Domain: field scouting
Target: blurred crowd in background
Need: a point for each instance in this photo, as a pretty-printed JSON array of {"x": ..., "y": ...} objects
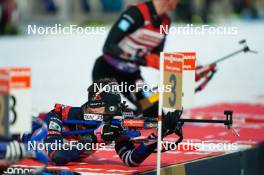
[{"x": 15, "y": 14}]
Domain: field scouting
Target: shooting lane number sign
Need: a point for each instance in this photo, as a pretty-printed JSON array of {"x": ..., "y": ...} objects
[
  {"x": 172, "y": 76},
  {"x": 17, "y": 104},
  {"x": 171, "y": 67},
  {"x": 177, "y": 70},
  {"x": 188, "y": 86},
  {"x": 4, "y": 89}
]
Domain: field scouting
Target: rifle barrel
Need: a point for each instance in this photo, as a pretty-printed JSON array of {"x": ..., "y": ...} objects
[{"x": 203, "y": 121}]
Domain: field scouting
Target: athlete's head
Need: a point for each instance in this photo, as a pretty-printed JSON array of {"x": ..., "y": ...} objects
[
  {"x": 103, "y": 98},
  {"x": 164, "y": 6}
]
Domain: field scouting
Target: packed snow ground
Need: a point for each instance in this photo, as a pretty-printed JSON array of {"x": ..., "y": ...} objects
[{"x": 62, "y": 64}]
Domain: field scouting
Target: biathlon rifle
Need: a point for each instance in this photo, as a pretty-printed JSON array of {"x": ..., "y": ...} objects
[{"x": 132, "y": 126}]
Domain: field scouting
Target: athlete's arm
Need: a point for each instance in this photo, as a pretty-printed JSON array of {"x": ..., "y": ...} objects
[
  {"x": 128, "y": 22},
  {"x": 54, "y": 124},
  {"x": 160, "y": 47},
  {"x": 131, "y": 155},
  {"x": 59, "y": 156},
  {"x": 153, "y": 59}
]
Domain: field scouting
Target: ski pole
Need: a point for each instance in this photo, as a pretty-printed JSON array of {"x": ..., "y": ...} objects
[{"x": 245, "y": 49}]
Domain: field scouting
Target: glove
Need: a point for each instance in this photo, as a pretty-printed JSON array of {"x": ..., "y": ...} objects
[
  {"x": 107, "y": 133},
  {"x": 204, "y": 71},
  {"x": 152, "y": 60},
  {"x": 171, "y": 124},
  {"x": 38, "y": 135},
  {"x": 147, "y": 59},
  {"x": 88, "y": 138}
]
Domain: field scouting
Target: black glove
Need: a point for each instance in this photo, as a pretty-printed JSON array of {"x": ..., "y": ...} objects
[
  {"x": 87, "y": 138},
  {"x": 171, "y": 124},
  {"x": 110, "y": 132},
  {"x": 138, "y": 57}
]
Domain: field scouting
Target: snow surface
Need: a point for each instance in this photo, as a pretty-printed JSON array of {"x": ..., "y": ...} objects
[{"x": 62, "y": 64}]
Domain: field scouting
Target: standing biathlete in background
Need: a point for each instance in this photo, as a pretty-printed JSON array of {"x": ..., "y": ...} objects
[{"x": 135, "y": 40}]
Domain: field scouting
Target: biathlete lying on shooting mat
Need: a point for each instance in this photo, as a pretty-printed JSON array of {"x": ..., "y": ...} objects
[{"x": 66, "y": 123}]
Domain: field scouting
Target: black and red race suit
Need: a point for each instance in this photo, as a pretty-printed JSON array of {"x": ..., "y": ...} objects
[{"x": 136, "y": 30}]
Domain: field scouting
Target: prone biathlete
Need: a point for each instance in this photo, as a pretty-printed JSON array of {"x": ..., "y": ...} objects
[{"x": 66, "y": 123}]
